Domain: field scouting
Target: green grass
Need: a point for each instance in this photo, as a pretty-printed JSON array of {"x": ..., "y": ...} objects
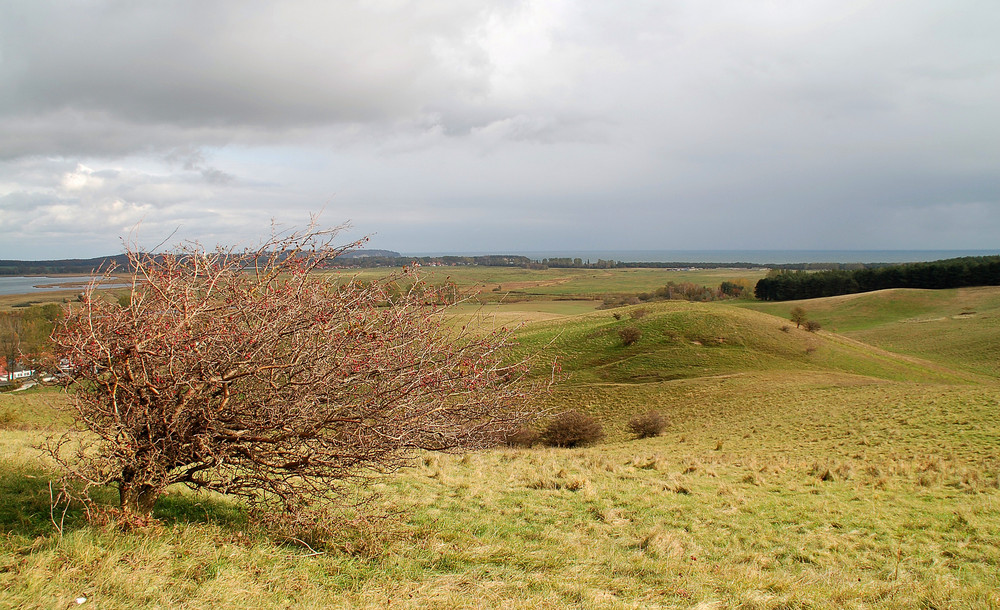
[
  {"x": 958, "y": 328},
  {"x": 515, "y": 283},
  {"x": 34, "y": 408},
  {"x": 767, "y": 491},
  {"x": 869, "y": 310},
  {"x": 685, "y": 340},
  {"x": 855, "y": 469}
]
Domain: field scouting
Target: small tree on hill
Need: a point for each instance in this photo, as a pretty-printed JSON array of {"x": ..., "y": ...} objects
[
  {"x": 798, "y": 315},
  {"x": 247, "y": 373},
  {"x": 629, "y": 335}
]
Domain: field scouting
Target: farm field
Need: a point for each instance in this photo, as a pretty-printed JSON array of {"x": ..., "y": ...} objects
[
  {"x": 507, "y": 283},
  {"x": 853, "y": 467}
]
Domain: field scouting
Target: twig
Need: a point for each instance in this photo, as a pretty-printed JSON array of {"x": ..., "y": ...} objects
[
  {"x": 314, "y": 552},
  {"x": 53, "y": 501}
]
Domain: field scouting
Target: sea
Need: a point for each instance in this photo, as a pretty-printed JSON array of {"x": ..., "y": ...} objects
[
  {"x": 757, "y": 257},
  {"x": 17, "y": 284}
]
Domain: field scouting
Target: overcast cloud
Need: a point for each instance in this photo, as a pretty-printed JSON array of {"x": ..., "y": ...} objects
[{"x": 478, "y": 125}]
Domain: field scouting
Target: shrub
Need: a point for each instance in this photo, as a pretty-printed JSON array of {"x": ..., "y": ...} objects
[
  {"x": 630, "y": 334},
  {"x": 639, "y": 313},
  {"x": 617, "y": 315},
  {"x": 273, "y": 385},
  {"x": 811, "y": 325},
  {"x": 525, "y": 437},
  {"x": 648, "y": 424},
  {"x": 572, "y": 429}
]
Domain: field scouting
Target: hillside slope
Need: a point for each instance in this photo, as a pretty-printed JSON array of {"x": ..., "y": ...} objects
[
  {"x": 683, "y": 340},
  {"x": 957, "y": 328}
]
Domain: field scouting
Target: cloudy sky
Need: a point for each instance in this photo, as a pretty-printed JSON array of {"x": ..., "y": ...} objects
[{"x": 501, "y": 125}]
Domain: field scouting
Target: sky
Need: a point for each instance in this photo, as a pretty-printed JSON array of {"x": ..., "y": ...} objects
[{"x": 500, "y": 125}]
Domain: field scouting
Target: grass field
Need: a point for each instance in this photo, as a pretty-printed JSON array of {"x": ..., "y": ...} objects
[
  {"x": 848, "y": 469},
  {"x": 513, "y": 283},
  {"x": 13, "y": 302},
  {"x": 959, "y": 327},
  {"x": 504, "y": 284}
]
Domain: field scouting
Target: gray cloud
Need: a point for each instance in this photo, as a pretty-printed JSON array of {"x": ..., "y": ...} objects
[
  {"x": 499, "y": 124},
  {"x": 216, "y": 71}
]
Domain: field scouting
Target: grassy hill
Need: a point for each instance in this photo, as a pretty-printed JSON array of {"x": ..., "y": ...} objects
[
  {"x": 855, "y": 468},
  {"x": 682, "y": 340},
  {"x": 958, "y": 328}
]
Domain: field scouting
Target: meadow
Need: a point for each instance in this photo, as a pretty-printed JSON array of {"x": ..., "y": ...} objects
[
  {"x": 509, "y": 284},
  {"x": 854, "y": 467}
]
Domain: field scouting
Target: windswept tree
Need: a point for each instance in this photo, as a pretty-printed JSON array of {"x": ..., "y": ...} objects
[{"x": 251, "y": 374}]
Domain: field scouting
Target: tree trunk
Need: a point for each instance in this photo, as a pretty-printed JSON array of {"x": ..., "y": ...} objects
[{"x": 137, "y": 497}]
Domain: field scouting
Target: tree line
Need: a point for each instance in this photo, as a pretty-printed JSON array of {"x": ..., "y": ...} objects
[{"x": 787, "y": 285}]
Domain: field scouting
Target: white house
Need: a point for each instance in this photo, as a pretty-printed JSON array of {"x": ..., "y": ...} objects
[{"x": 14, "y": 375}]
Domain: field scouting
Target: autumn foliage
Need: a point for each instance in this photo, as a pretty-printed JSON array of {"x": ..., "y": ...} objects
[{"x": 251, "y": 374}]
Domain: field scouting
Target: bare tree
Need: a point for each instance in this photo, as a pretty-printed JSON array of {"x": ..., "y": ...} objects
[{"x": 249, "y": 373}]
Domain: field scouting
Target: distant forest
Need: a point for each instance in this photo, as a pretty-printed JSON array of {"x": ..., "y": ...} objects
[
  {"x": 786, "y": 285},
  {"x": 75, "y": 266}
]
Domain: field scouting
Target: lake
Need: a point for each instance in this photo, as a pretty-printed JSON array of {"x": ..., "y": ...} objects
[{"x": 16, "y": 284}]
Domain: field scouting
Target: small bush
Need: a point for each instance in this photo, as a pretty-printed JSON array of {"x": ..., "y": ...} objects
[
  {"x": 648, "y": 424},
  {"x": 630, "y": 334},
  {"x": 639, "y": 313},
  {"x": 811, "y": 325},
  {"x": 617, "y": 315},
  {"x": 525, "y": 437},
  {"x": 572, "y": 429}
]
